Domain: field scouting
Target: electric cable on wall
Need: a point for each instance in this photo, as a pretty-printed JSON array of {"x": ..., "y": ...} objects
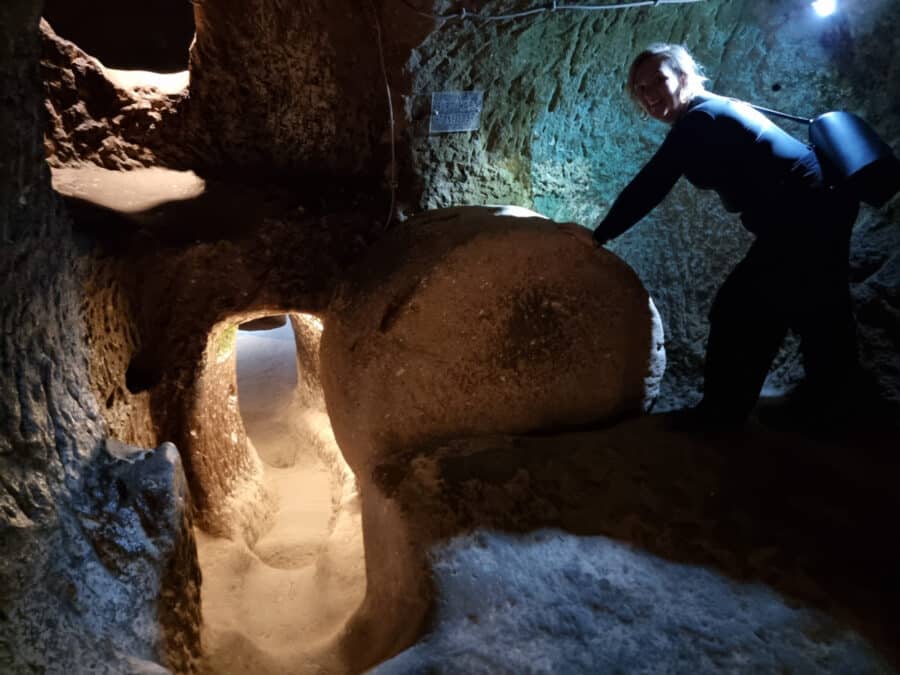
[
  {"x": 392, "y": 123},
  {"x": 547, "y": 7}
]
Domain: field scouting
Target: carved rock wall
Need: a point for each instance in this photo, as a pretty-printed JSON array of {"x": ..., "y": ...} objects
[
  {"x": 85, "y": 584},
  {"x": 90, "y": 118},
  {"x": 285, "y": 87}
]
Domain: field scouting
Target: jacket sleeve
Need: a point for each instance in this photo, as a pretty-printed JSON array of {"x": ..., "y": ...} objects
[{"x": 648, "y": 188}]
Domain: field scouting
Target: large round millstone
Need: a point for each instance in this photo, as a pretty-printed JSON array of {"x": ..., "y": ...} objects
[{"x": 468, "y": 321}]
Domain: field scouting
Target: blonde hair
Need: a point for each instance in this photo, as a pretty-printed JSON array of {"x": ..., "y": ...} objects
[{"x": 678, "y": 59}]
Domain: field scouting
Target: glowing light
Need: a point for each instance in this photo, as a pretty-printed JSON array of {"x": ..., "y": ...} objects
[
  {"x": 825, "y": 7},
  {"x": 167, "y": 83},
  {"x": 517, "y": 211}
]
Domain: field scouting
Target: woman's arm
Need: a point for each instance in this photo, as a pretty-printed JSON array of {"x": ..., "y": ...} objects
[{"x": 647, "y": 189}]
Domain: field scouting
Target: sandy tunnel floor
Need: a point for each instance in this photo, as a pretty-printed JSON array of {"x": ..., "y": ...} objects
[{"x": 277, "y": 607}]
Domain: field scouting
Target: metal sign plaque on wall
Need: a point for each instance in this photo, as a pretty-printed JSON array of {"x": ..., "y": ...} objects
[{"x": 455, "y": 111}]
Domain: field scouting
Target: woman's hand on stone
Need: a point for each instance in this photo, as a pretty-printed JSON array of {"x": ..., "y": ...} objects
[{"x": 578, "y": 232}]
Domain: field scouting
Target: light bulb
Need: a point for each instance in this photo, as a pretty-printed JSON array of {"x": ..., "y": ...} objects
[{"x": 825, "y": 7}]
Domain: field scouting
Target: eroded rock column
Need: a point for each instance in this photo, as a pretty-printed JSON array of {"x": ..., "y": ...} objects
[{"x": 466, "y": 322}]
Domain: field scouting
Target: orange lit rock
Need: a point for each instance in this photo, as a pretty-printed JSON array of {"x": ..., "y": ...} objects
[{"x": 465, "y": 321}]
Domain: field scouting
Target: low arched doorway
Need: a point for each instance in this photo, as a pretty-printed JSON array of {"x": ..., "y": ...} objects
[{"x": 278, "y": 603}]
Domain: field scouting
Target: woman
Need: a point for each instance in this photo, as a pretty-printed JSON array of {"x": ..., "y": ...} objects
[{"x": 795, "y": 274}]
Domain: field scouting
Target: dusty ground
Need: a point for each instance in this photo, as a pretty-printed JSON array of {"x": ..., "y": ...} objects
[
  {"x": 277, "y": 606},
  {"x": 638, "y": 549}
]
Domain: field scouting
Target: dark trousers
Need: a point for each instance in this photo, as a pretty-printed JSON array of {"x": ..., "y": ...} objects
[{"x": 794, "y": 277}]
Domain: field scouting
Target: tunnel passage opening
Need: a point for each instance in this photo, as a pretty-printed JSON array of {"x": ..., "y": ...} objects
[
  {"x": 141, "y": 49},
  {"x": 280, "y": 600},
  {"x": 153, "y": 36}
]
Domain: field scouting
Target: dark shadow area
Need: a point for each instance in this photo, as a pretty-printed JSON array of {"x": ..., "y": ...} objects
[
  {"x": 220, "y": 212},
  {"x": 814, "y": 520},
  {"x": 151, "y": 35},
  {"x": 142, "y": 375},
  {"x": 223, "y": 211}
]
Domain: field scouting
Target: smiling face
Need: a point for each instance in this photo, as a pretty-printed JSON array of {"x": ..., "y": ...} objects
[{"x": 660, "y": 90}]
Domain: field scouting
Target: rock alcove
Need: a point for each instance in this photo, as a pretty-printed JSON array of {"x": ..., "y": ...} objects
[{"x": 143, "y": 222}]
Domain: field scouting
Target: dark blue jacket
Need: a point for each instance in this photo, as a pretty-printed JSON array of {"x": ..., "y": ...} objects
[{"x": 723, "y": 145}]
